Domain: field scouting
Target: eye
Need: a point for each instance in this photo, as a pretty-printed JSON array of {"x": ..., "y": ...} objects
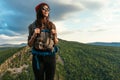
[{"x": 46, "y": 9}]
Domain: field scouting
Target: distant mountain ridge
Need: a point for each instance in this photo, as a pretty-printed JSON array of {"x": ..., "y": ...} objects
[
  {"x": 115, "y": 44},
  {"x": 13, "y": 45}
]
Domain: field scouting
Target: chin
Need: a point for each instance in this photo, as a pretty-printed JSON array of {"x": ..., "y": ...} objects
[{"x": 45, "y": 16}]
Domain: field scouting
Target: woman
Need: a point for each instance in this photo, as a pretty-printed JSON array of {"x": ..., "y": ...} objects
[{"x": 44, "y": 61}]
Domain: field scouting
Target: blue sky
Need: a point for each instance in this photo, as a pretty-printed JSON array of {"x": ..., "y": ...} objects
[{"x": 76, "y": 20}]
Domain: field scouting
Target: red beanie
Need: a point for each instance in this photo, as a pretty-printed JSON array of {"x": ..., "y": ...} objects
[{"x": 39, "y": 6}]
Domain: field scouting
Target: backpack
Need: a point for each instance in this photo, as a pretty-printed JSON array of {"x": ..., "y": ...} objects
[{"x": 44, "y": 40}]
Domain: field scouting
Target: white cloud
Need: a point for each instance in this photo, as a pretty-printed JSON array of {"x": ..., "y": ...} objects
[
  {"x": 95, "y": 20},
  {"x": 60, "y": 27},
  {"x": 13, "y": 39},
  {"x": 85, "y": 36}
]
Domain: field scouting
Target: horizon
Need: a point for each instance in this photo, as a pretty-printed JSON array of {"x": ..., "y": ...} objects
[
  {"x": 79, "y": 20},
  {"x": 62, "y": 39}
]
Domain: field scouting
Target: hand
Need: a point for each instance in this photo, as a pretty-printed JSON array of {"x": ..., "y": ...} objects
[
  {"x": 37, "y": 31},
  {"x": 53, "y": 31}
]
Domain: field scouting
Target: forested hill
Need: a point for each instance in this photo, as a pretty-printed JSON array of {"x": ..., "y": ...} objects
[
  {"x": 77, "y": 61},
  {"x": 90, "y": 62}
]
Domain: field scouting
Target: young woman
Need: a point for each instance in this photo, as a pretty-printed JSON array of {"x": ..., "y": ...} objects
[{"x": 44, "y": 60}]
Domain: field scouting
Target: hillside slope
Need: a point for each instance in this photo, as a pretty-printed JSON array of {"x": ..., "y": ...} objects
[
  {"x": 89, "y": 62},
  {"x": 6, "y": 52},
  {"x": 18, "y": 67},
  {"x": 77, "y": 61}
]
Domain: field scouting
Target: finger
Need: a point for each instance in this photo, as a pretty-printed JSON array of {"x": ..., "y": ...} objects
[{"x": 38, "y": 30}]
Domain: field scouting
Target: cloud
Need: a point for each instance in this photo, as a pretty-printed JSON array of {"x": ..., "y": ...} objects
[
  {"x": 84, "y": 16},
  {"x": 13, "y": 39},
  {"x": 92, "y": 5},
  {"x": 61, "y": 11},
  {"x": 18, "y": 14},
  {"x": 97, "y": 30}
]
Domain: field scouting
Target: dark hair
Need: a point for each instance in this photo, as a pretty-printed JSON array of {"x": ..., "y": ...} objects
[{"x": 40, "y": 16}]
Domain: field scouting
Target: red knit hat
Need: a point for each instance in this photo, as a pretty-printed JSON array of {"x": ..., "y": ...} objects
[{"x": 39, "y": 6}]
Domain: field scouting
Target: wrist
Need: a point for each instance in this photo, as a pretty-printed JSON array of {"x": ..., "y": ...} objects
[
  {"x": 34, "y": 36},
  {"x": 56, "y": 40}
]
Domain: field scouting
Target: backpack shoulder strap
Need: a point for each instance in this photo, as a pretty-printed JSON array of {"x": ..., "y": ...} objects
[{"x": 45, "y": 30}]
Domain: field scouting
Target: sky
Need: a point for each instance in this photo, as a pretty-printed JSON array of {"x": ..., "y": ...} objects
[{"x": 83, "y": 21}]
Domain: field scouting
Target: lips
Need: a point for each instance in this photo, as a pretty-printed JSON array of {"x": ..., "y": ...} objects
[{"x": 45, "y": 14}]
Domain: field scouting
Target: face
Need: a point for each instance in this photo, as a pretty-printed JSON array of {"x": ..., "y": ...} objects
[{"x": 45, "y": 11}]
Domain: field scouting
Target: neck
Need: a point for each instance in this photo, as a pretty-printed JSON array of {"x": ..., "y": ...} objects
[{"x": 44, "y": 20}]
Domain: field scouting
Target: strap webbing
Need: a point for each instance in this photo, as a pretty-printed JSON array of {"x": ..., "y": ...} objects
[{"x": 37, "y": 61}]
